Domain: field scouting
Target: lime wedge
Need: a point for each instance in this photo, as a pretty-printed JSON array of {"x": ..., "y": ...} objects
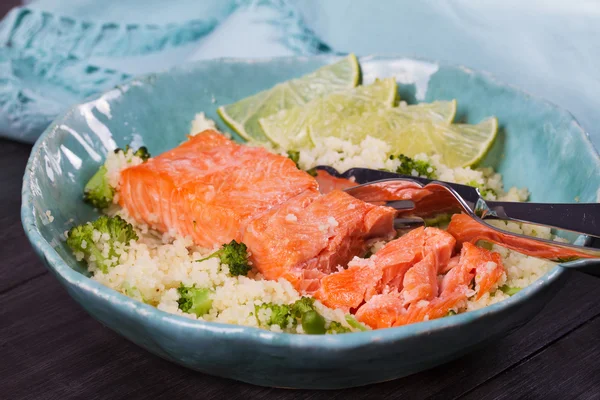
[
  {"x": 289, "y": 129},
  {"x": 465, "y": 145},
  {"x": 459, "y": 145},
  {"x": 243, "y": 116},
  {"x": 440, "y": 112},
  {"x": 356, "y": 128}
]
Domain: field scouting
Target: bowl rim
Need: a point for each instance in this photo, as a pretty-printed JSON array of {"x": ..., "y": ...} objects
[{"x": 137, "y": 309}]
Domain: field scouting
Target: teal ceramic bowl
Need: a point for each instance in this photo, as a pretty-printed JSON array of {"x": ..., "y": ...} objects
[{"x": 540, "y": 146}]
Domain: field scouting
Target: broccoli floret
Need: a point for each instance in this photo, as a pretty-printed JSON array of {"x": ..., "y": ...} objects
[
  {"x": 235, "y": 255},
  {"x": 312, "y": 172},
  {"x": 354, "y": 323},
  {"x": 482, "y": 189},
  {"x": 408, "y": 165},
  {"x": 194, "y": 300},
  {"x": 304, "y": 305},
  {"x": 294, "y": 156},
  {"x": 510, "y": 290},
  {"x": 142, "y": 153},
  {"x": 301, "y": 312},
  {"x": 337, "y": 328},
  {"x": 439, "y": 220},
  {"x": 451, "y": 313},
  {"x": 90, "y": 240},
  {"x": 281, "y": 314},
  {"x": 98, "y": 191},
  {"x": 312, "y": 322}
]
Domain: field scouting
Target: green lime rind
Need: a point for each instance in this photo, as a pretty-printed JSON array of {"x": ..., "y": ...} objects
[
  {"x": 388, "y": 123},
  {"x": 289, "y": 129},
  {"x": 243, "y": 116}
]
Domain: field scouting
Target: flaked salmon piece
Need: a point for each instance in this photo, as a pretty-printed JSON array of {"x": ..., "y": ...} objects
[
  {"x": 391, "y": 191},
  {"x": 436, "y": 308},
  {"x": 349, "y": 288},
  {"x": 362, "y": 280},
  {"x": 466, "y": 229},
  {"x": 377, "y": 193},
  {"x": 396, "y": 257},
  {"x": 419, "y": 300},
  {"x": 381, "y": 311},
  {"x": 475, "y": 263},
  {"x": 328, "y": 183},
  {"x": 440, "y": 244},
  {"x": 210, "y": 188},
  {"x": 453, "y": 262},
  {"x": 387, "y": 268},
  {"x": 420, "y": 282},
  {"x": 483, "y": 265},
  {"x": 314, "y": 233}
]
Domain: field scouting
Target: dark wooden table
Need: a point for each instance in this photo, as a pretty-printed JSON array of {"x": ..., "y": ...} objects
[{"x": 51, "y": 349}]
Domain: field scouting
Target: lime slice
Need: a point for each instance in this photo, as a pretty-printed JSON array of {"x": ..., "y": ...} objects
[
  {"x": 465, "y": 145},
  {"x": 289, "y": 129},
  {"x": 243, "y": 116},
  {"x": 459, "y": 145},
  {"x": 356, "y": 128},
  {"x": 440, "y": 112}
]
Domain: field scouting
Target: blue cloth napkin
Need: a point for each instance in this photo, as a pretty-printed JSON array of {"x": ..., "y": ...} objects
[{"x": 54, "y": 53}]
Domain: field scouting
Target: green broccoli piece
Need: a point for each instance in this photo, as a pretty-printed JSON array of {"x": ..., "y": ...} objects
[
  {"x": 98, "y": 191},
  {"x": 97, "y": 248},
  {"x": 281, "y": 314},
  {"x": 194, "y": 300},
  {"x": 294, "y": 156},
  {"x": 313, "y": 323},
  {"x": 142, "y": 153},
  {"x": 482, "y": 189},
  {"x": 312, "y": 172},
  {"x": 510, "y": 290},
  {"x": 337, "y": 328},
  {"x": 304, "y": 305},
  {"x": 451, "y": 313},
  {"x": 235, "y": 255},
  {"x": 408, "y": 165},
  {"x": 438, "y": 220},
  {"x": 354, "y": 323}
]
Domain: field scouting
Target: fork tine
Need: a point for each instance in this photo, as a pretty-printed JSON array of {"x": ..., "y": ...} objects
[
  {"x": 401, "y": 204},
  {"x": 408, "y": 223}
]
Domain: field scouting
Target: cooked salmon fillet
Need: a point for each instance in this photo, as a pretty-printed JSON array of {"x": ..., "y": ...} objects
[
  {"x": 209, "y": 188},
  {"x": 310, "y": 236}
]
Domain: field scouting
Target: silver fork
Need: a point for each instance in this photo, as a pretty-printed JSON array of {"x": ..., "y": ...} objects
[{"x": 577, "y": 220}]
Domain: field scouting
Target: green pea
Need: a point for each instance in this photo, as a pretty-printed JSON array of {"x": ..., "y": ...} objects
[{"x": 313, "y": 323}]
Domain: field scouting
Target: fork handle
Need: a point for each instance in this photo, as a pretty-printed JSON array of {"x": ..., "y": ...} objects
[{"x": 578, "y": 217}]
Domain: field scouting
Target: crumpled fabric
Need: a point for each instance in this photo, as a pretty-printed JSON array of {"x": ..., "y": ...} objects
[{"x": 54, "y": 53}]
